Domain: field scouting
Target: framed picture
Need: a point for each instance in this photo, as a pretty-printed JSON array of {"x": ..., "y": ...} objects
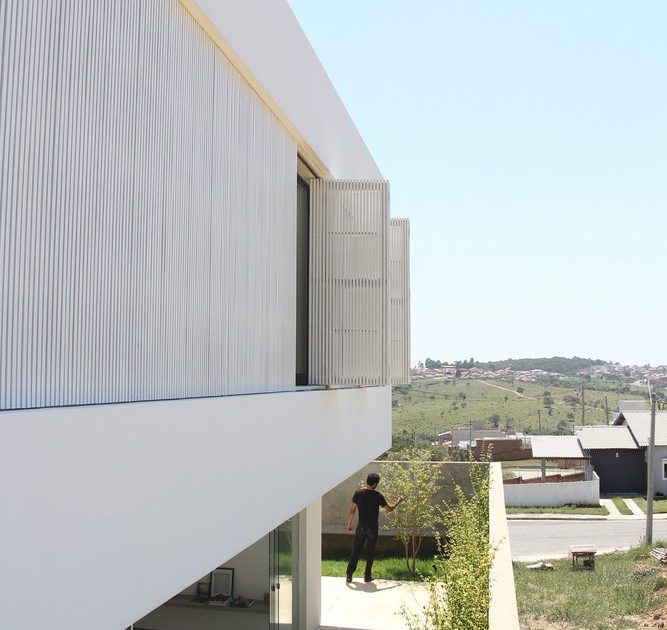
[
  {"x": 204, "y": 589},
  {"x": 222, "y": 583}
]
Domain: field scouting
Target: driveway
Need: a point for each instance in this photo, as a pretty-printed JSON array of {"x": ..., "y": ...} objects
[{"x": 532, "y": 540}]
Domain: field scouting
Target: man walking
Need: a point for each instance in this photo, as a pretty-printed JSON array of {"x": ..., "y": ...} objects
[{"x": 369, "y": 501}]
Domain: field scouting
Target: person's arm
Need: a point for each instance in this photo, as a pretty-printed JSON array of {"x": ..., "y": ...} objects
[
  {"x": 350, "y": 517},
  {"x": 390, "y": 508}
]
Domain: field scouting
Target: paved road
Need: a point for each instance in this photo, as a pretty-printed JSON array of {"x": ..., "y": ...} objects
[{"x": 543, "y": 540}]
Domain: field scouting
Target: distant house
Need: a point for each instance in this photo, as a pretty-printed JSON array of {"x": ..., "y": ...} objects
[
  {"x": 632, "y": 405},
  {"x": 454, "y": 436},
  {"x": 639, "y": 423},
  {"x": 615, "y": 456}
]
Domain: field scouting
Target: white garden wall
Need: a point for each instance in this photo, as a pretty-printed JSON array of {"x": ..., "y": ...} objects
[{"x": 553, "y": 494}]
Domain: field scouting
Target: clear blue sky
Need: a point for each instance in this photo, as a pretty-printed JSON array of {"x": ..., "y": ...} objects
[{"x": 526, "y": 141}]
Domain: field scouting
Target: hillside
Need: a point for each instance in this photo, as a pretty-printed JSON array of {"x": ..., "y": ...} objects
[
  {"x": 428, "y": 407},
  {"x": 560, "y": 365}
]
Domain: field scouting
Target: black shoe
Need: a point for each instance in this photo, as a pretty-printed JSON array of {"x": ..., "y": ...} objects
[
  {"x": 348, "y": 578},
  {"x": 368, "y": 578}
]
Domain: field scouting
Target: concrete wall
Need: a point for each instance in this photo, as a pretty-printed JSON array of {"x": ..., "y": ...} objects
[
  {"x": 503, "y": 613},
  {"x": 336, "y": 502},
  {"x": 554, "y": 494},
  {"x": 660, "y": 483},
  {"x": 143, "y": 499}
]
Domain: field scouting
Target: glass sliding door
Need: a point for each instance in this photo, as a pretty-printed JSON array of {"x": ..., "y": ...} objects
[{"x": 283, "y": 568}]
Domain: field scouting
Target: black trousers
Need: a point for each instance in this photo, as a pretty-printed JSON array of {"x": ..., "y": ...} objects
[{"x": 361, "y": 536}]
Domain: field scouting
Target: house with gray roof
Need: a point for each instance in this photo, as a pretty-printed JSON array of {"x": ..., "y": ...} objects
[
  {"x": 615, "y": 456},
  {"x": 639, "y": 424}
]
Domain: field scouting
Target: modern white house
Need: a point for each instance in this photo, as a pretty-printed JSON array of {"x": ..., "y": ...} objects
[{"x": 204, "y": 303}]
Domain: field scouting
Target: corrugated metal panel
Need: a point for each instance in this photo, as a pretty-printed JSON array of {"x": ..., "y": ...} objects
[
  {"x": 147, "y": 211},
  {"x": 399, "y": 300},
  {"x": 640, "y": 426},
  {"x": 348, "y": 282},
  {"x": 556, "y": 447},
  {"x": 605, "y": 437}
]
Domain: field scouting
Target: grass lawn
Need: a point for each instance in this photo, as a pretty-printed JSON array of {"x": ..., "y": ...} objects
[
  {"x": 621, "y": 506},
  {"x": 622, "y": 584},
  {"x": 391, "y": 568},
  {"x": 659, "y": 504},
  {"x": 563, "y": 509},
  {"x": 428, "y": 407}
]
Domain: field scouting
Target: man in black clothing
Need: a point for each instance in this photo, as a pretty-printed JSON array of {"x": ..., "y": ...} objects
[{"x": 369, "y": 501}]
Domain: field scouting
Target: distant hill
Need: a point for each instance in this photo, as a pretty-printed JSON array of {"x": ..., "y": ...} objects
[{"x": 562, "y": 365}]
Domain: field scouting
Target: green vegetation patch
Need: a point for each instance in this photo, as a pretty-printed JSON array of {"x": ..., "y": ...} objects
[
  {"x": 659, "y": 505},
  {"x": 563, "y": 509},
  {"x": 621, "y": 506},
  {"x": 622, "y": 584},
  {"x": 428, "y": 407},
  {"x": 389, "y": 568}
]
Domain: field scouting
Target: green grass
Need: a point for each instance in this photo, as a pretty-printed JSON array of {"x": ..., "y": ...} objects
[
  {"x": 622, "y": 584},
  {"x": 563, "y": 509},
  {"x": 659, "y": 504},
  {"x": 430, "y": 407},
  {"x": 388, "y": 568},
  {"x": 621, "y": 506}
]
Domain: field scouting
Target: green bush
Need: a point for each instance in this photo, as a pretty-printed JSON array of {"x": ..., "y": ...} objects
[{"x": 459, "y": 585}]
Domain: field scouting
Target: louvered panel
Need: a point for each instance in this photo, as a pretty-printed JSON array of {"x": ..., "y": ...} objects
[
  {"x": 147, "y": 211},
  {"x": 348, "y": 282},
  {"x": 399, "y": 301}
]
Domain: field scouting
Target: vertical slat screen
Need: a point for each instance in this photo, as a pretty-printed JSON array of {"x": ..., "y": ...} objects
[
  {"x": 399, "y": 301},
  {"x": 349, "y": 225},
  {"x": 147, "y": 211}
]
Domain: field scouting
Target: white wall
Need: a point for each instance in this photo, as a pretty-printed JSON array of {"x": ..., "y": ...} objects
[
  {"x": 660, "y": 484},
  {"x": 553, "y": 494},
  {"x": 503, "y": 612},
  {"x": 267, "y": 40},
  {"x": 148, "y": 196},
  {"x": 137, "y": 501}
]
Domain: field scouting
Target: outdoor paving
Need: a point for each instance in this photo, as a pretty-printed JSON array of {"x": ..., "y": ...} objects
[
  {"x": 634, "y": 508},
  {"x": 369, "y": 606},
  {"x": 610, "y": 505}
]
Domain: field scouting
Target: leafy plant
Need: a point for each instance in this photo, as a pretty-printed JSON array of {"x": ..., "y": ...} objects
[
  {"x": 417, "y": 480},
  {"x": 459, "y": 585}
]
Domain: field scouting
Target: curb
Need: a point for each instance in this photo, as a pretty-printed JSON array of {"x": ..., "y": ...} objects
[{"x": 581, "y": 517}]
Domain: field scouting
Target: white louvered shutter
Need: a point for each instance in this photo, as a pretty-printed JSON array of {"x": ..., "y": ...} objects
[{"x": 349, "y": 276}]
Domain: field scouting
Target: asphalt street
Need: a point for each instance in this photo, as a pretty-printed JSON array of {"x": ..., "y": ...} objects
[{"x": 533, "y": 540}]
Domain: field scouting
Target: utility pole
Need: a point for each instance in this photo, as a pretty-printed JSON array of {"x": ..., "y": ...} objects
[
  {"x": 650, "y": 473},
  {"x": 539, "y": 420},
  {"x": 583, "y": 407},
  {"x": 606, "y": 409}
]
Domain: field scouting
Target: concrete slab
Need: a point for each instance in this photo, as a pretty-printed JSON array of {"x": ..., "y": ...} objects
[
  {"x": 369, "y": 606},
  {"x": 613, "y": 510},
  {"x": 634, "y": 508}
]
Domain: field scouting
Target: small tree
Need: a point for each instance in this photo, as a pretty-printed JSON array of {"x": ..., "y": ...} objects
[
  {"x": 459, "y": 586},
  {"x": 417, "y": 480}
]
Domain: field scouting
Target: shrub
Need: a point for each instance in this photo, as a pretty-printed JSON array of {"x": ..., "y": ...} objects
[
  {"x": 459, "y": 586},
  {"x": 417, "y": 480}
]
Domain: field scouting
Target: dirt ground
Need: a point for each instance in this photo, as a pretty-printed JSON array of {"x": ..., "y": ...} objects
[{"x": 649, "y": 621}]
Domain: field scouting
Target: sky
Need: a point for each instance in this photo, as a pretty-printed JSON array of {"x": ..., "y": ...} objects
[{"x": 526, "y": 141}]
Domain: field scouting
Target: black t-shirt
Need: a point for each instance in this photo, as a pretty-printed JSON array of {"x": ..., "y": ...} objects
[{"x": 368, "y": 503}]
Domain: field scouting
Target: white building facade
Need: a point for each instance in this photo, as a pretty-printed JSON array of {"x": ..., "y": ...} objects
[{"x": 204, "y": 304}]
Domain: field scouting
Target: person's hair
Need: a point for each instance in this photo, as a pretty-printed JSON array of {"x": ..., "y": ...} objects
[{"x": 373, "y": 479}]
